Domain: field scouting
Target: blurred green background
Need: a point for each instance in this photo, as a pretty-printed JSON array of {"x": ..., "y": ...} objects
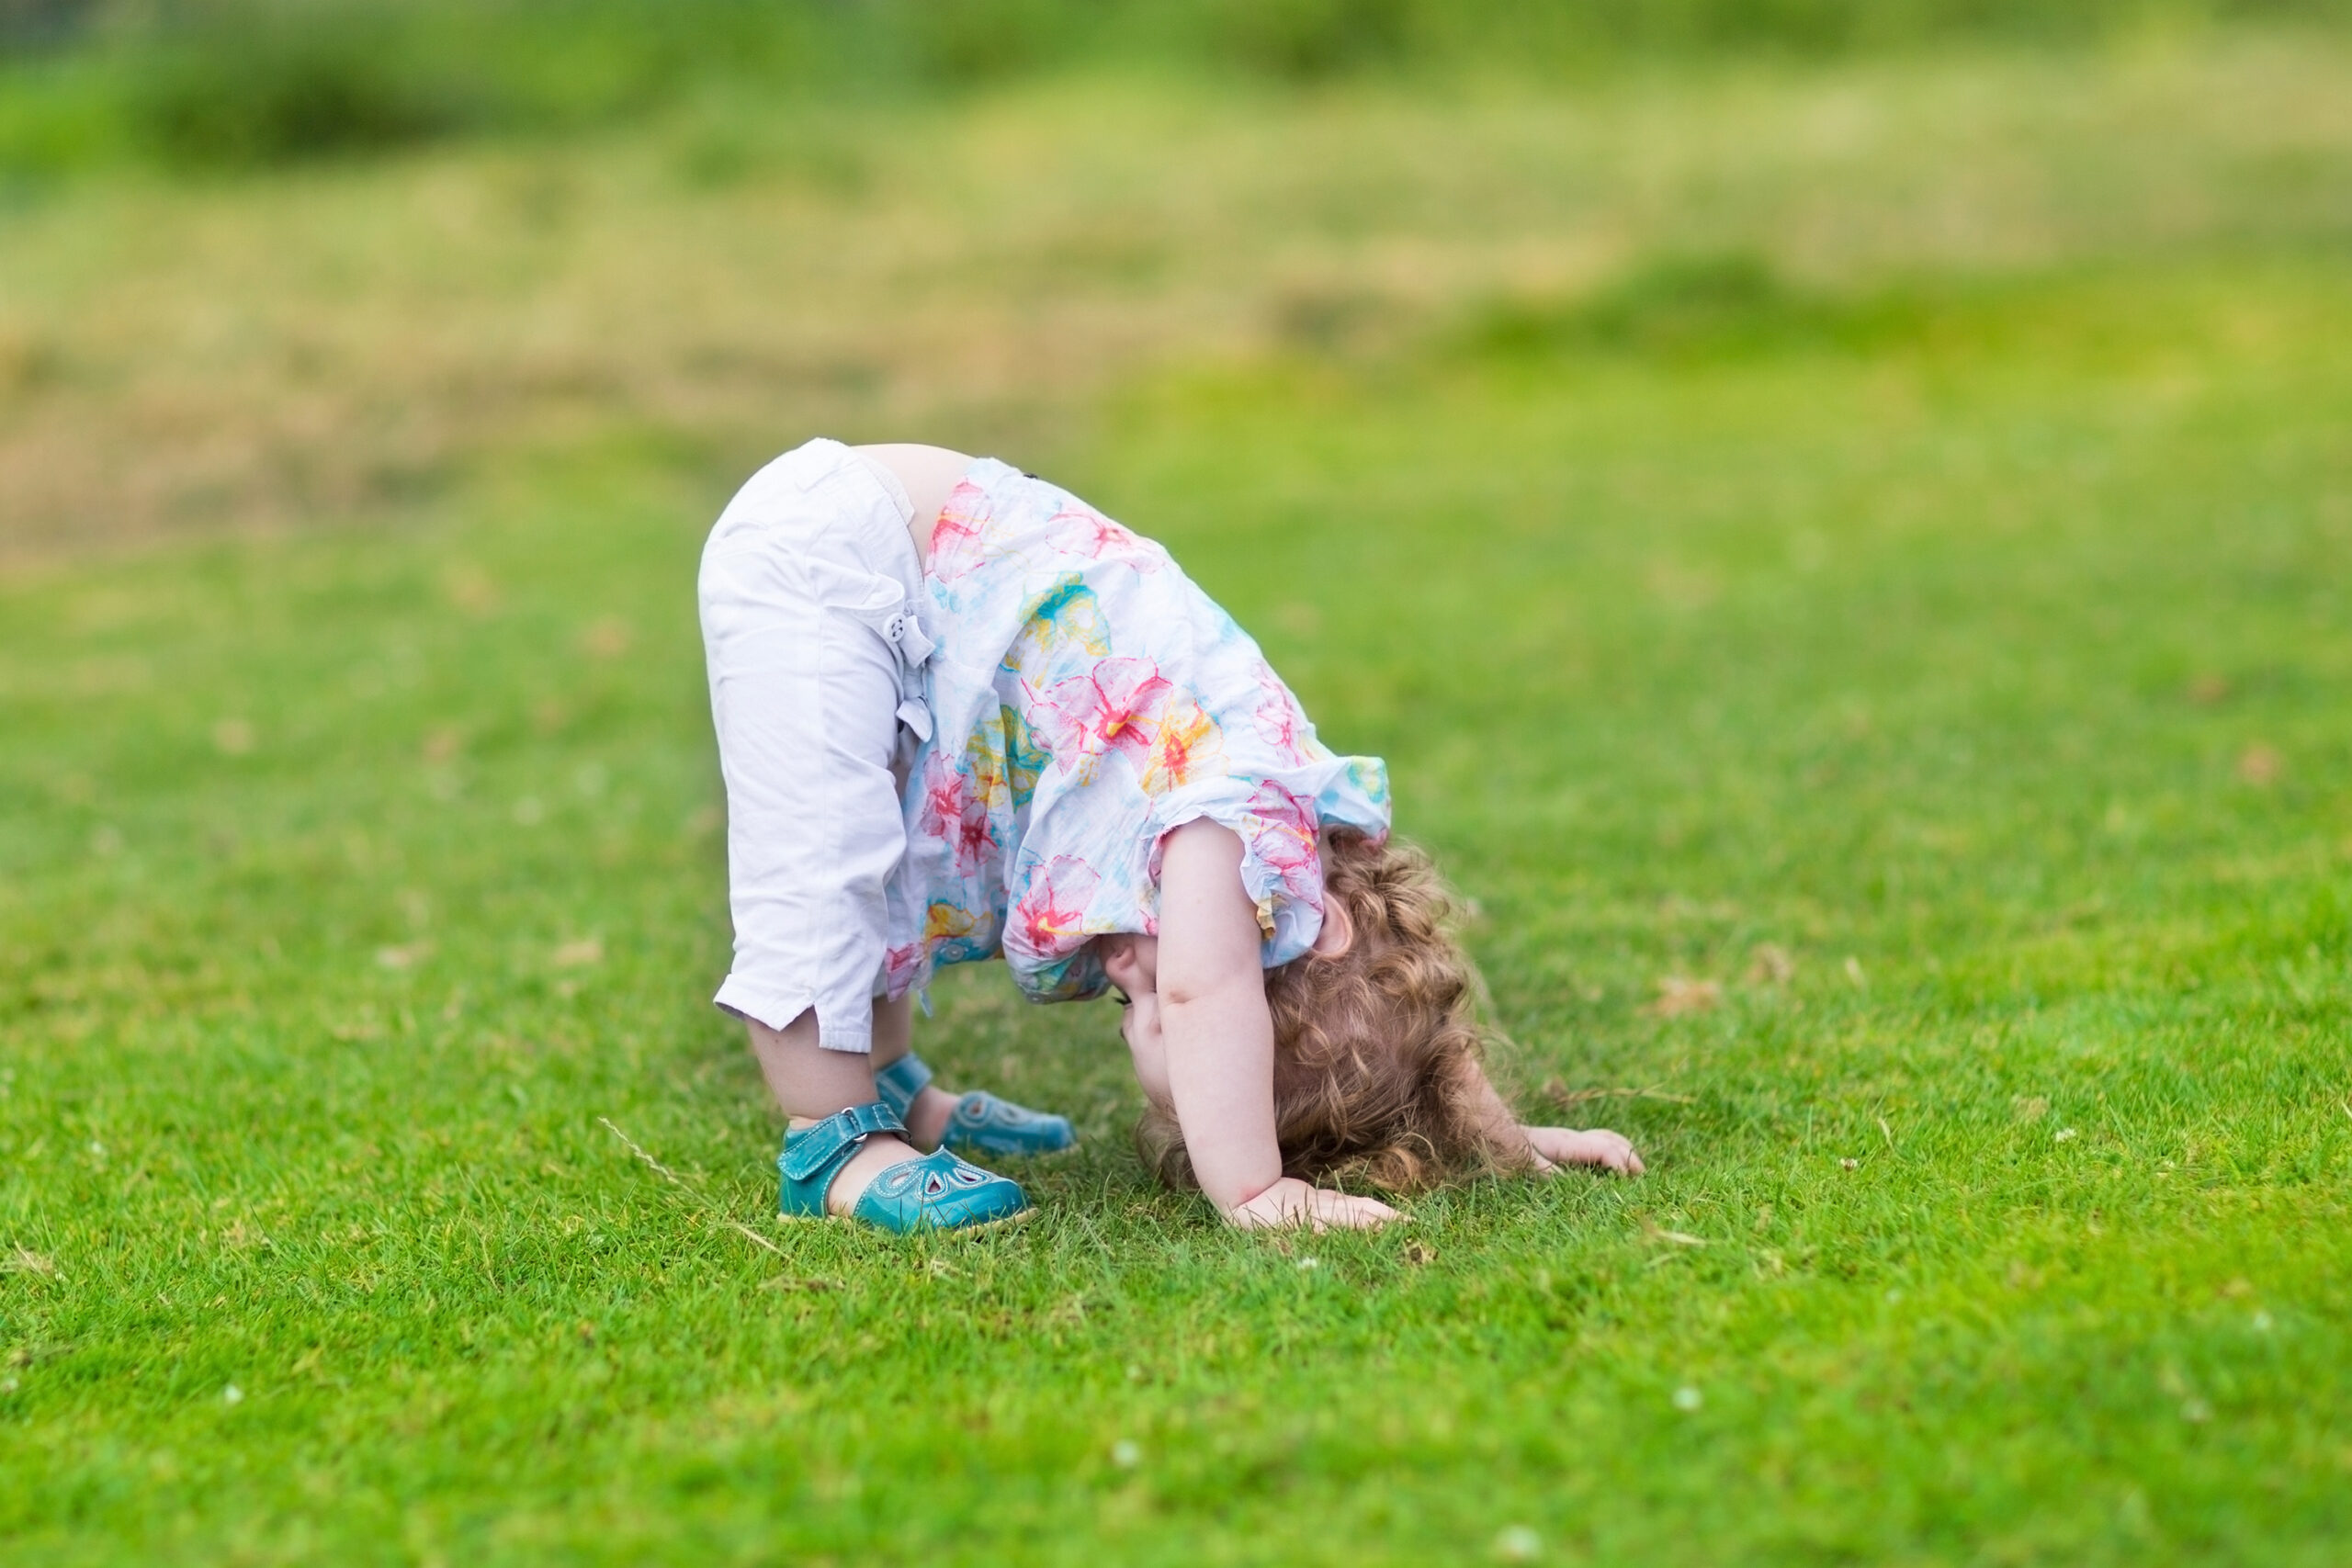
[
  {"x": 1837, "y": 515},
  {"x": 219, "y": 83}
]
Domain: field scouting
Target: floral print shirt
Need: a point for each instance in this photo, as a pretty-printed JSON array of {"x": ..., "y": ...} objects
[{"x": 1086, "y": 699}]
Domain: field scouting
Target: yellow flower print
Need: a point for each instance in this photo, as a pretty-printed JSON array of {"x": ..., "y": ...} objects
[
  {"x": 945, "y": 922},
  {"x": 1189, "y": 745}
]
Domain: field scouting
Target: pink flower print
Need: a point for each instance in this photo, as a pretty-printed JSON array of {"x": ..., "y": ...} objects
[
  {"x": 943, "y": 793},
  {"x": 973, "y": 839},
  {"x": 900, "y": 966},
  {"x": 954, "y": 813},
  {"x": 1277, "y": 718},
  {"x": 1050, "y": 921},
  {"x": 1112, "y": 708},
  {"x": 1293, "y": 812},
  {"x": 1277, "y": 721},
  {"x": 1283, "y": 840},
  {"x": 1187, "y": 746},
  {"x": 1091, "y": 535},
  {"x": 955, "y": 537}
]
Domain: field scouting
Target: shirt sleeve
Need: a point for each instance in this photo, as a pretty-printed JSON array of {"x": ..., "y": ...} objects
[{"x": 1278, "y": 821}]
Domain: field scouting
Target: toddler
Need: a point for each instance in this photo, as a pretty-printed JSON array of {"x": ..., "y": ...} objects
[{"x": 963, "y": 715}]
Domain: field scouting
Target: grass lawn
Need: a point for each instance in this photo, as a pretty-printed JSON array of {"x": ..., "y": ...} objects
[{"x": 1896, "y": 737}]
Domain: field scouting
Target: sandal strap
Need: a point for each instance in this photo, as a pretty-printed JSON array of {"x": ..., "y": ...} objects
[
  {"x": 812, "y": 1149},
  {"x": 899, "y": 1083}
]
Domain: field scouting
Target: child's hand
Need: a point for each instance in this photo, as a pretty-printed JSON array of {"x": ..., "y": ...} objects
[
  {"x": 1291, "y": 1202},
  {"x": 1556, "y": 1147}
]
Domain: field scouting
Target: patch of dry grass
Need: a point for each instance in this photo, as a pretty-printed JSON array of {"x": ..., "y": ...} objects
[{"x": 178, "y": 358}]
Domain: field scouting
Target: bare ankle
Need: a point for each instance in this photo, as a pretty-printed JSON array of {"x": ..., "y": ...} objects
[{"x": 927, "y": 1117}]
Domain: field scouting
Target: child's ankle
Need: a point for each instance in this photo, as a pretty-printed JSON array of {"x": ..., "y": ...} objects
[{"x": 927, "y": 1117}]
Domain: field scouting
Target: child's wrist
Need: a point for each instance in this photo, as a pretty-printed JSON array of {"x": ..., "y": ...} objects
[
  {"x": 1245, "y": 1194},
  {"x": 1246, "y": 1214}
]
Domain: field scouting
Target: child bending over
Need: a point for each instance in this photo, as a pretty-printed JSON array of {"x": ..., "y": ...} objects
[{"x": 963, "y": 715}]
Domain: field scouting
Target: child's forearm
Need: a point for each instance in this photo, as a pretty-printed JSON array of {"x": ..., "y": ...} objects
[
  {"x": 1220, "y": 1072},
  {"x": 1220, "y": 1037}
]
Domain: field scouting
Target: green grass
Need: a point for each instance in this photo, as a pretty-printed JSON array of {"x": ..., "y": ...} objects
[{"x": 1979, "y": 644}]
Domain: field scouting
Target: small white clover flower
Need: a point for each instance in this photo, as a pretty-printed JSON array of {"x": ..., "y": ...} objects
[
  {"x": 1687, "y": 1398},
  {"x": 1517, "y": 1543},
  {"x": 1126, "y": 1454}
]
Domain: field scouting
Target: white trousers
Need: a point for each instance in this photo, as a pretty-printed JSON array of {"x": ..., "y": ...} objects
[{"x": 810, "y": 587}]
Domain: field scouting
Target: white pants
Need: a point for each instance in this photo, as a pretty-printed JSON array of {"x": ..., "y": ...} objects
[{"x": 809, "y": 587}]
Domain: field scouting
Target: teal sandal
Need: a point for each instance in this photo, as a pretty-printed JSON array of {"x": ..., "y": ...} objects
[
  {"x": 981, "y": 1123},
  {"x": 938, "y": 1191}
]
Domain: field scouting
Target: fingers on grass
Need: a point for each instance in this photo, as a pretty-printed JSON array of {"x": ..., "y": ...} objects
[
  {"x": 1315, "y": 1210},
  {"x": 1610, "y": 1151},
  {"x": 1556, "y": 1146},
  {"x": 1617, "y": 1154},
  {"x": 1357, "y": 1214}
]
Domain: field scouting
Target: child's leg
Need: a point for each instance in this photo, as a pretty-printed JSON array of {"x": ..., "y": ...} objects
[
  {"x": 894, "y": 1031},
  {"x": 811, "y": 1083},
  {"x": 804, "y": 697},
  {"x": 970, "y": 1123}
]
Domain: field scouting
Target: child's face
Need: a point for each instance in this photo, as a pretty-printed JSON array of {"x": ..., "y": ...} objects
[{"x": 1133, "y": 965}]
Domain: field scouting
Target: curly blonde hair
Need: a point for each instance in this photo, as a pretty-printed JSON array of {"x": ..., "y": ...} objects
[{"x": 1377, "y": 1047}]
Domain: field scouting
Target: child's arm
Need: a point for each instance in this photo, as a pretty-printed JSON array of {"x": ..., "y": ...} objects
[
  {"x": 1550, "y": 1148},
  {"x": 1220, "y": 1039}
]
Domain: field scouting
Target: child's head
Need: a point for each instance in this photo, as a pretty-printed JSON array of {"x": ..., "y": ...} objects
[{"x": 1375, "y": 1043}]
